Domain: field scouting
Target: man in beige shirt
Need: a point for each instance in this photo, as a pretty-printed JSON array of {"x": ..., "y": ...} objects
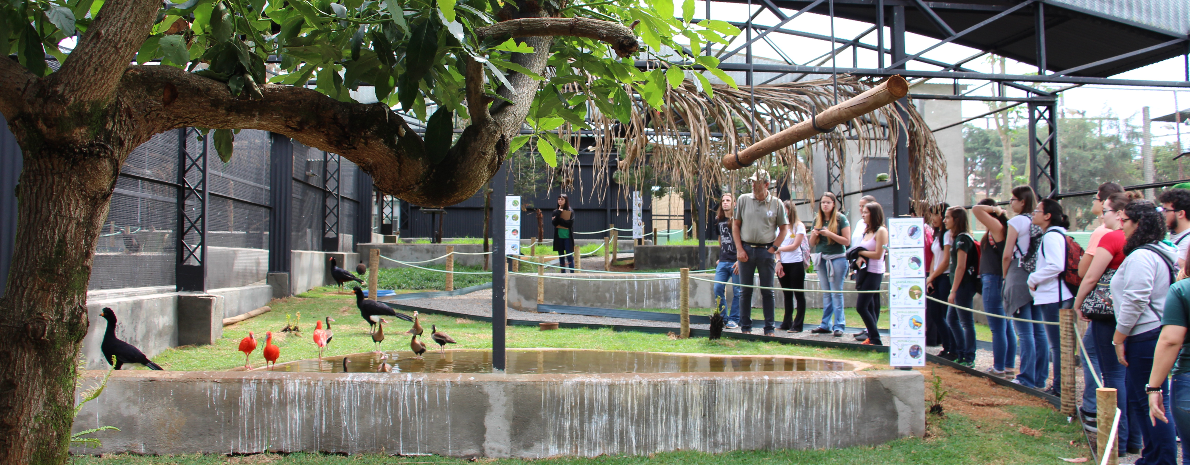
[{"x": 758, "y": 228}]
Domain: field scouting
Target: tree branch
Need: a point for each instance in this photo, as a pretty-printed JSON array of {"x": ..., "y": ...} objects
[
  {"x": 477, "y": 103},
  {"x": 622, "y": 40},
  {"x": 92, "y": 71},
  {"x": 17, "y": 81}
]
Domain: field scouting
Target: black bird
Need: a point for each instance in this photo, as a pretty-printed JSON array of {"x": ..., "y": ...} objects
[
  {"x": 342, "y": 276},
  {"x": 371, "y": 310},
  {"x": 716, "y": 325},
  {"x": 122, "y": 351},
  {"x": 361, "y": 269}
]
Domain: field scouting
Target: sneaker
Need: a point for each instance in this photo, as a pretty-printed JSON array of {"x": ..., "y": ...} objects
[
  {"x": 1089, "y": 421},
  {"x": 731, "y": 325},
  {"x": 948, "y": 355},
  {"x": 838, "y": 333},
  {"x": 994, "y": 372},
  {"x": 968, "y": 364},
  {"x": 769, "y": 333},
  {"x": 820, "y": 330},
  {"x": 861, "y": 335},
  {"x": 1053, "y": 391}
]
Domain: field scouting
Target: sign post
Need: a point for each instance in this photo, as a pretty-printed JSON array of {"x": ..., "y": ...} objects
[
  {"x": 907, "y": 292},
  {"x": 638, "y": 224}
]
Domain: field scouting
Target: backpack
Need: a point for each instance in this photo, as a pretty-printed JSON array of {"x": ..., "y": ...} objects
[
  {"x": 1029, "y": 259},
  {"x": 1074, "y": 253},
  {"x": 971, "y": 274}
]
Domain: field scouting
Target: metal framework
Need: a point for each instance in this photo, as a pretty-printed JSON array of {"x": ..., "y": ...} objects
[
  {"x": 332, "y": 200},
  {"x": 1043, "y": 147},
  {"x": 191, "y": 264}
]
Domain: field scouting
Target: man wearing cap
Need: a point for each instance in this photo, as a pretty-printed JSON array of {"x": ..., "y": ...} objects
[{"x": 758, "y": 228}]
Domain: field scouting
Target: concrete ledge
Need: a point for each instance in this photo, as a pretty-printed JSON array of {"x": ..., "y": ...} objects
[
  {"x": 200, "y": 319},
  {"x": 311, "y": 269},
  {"x": 668, "y": 257},
  {"x": 148, "y": 322},
  {"x": 495, "y": 415},
  {"x": 241, "y": 300}
]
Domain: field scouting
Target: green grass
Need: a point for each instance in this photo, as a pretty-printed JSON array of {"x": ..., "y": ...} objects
[
  {"x": 406, "y": 278},
  {"x": 547, "y": 249}
]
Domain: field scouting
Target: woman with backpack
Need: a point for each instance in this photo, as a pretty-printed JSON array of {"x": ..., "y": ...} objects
[
  {"x": 1018, "y": 301},
  {"x": 938, "y": 279},
  {"x": 1050, "y": 292},
  {"x": 991, "y": 251},
  {"x": 1139, "y": 290},
  {"x": 791, "y": 273},
  {"x": 964, "y": 259},
  {"x": 871, "y": 272}
]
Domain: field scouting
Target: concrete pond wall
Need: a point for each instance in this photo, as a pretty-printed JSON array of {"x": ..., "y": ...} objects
[{"x": 498, "y": 415}]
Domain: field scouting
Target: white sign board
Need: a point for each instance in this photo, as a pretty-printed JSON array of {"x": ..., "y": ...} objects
[
  {"x": 638, "y": 224},
  {"x": 906, "y": 233},
  {"x": 512, "y": 225},
  {"x": 907, "y": 292},
  {"x": 907, "y": 262}
]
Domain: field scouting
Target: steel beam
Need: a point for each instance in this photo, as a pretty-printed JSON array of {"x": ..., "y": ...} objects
[
  {"x": 1039, "y": 18},
  {"x": 953, "y": 35},
  {"x": 331, "y": 202},
  {"x": 751, "y": 23},
  {"x": 1122, "y": 56},
  {"x": 1006, "y": 78},
  {"x": 280, "y": 196},
  {"x": 934, "y": 18},
  {"x": 191, "y": 265},
  {"x": 902, "y": 200},
  {"x": 1043, "y": 149},
  {"x": 363, "y": 214}
]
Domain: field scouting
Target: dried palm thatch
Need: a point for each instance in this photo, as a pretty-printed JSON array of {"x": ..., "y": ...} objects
[{"x": 683, "y": 145}]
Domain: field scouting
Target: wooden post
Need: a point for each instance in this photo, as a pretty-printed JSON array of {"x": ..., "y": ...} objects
[
  {"x": 578, "y": 260},
  {"x": 540, "y": 280},
  {"x": 516, "y": 264},
  {"x": 1105, "y": 399},
  {"x": 684, "y": 301},
  {"x": 615, "y": 244},
  {"x": 373, "y": 273},
  {"x": 450, "y": 268},
  {"x": 1066, "y": 330},
  {"x": 606, "y": 255},
  {"x": 533, "y": 248}
]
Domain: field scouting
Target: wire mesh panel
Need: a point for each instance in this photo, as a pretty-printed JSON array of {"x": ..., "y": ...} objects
[
  {"x": 348, "y": 188},
  {"x": 236, "y": 224},
  {"x": 348, "y": 209},
  {"x": 246, "y": 176}
]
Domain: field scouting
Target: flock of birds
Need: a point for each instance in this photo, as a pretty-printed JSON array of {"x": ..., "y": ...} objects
[{"x": 118, "y": 352}]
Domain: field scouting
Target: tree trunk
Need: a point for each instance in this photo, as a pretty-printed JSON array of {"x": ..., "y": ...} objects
[{"x": 63, "y": 199}]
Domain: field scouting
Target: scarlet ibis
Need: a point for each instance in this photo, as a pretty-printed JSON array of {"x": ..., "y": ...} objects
[
  {"x": 319, "y": 338},
  {"x": 441, "y": 338},
  {"x": 342, "y": 276},
  {"x": 378, "y": 336},
  {"x": 271, "y": 352},
  {"x": 247, "y": 346},
  {"x": 417, "y": 330},
  {"x": 122, "y": 351},
  {"x": 371, "y": 310},
  {"x": 417, "y": 347}
]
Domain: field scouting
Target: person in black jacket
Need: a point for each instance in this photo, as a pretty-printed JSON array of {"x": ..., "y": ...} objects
[{"x": 563, "y": 221}]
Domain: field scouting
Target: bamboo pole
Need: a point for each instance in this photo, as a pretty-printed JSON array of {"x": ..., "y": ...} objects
[
  {"x": 450, "y": 268},
  {"x": 887, "y": 92},
  {"x": 540, "y": 280},
  {"x": 373, "y": 273},
  {"x": 1066, "y": 319},
  {"x": 1105, "y": 399},
  {"x": 684, "y": 302},
  {"x": 578, "y": 260}
]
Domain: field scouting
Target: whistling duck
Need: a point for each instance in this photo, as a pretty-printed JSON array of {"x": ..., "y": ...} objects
[
  {"x": 371, "y": 310},
  {"x": 417, "y": 330},
  {"x": 271, "y": 352},
  {"x": 441, "y": 338},
  {"x": 342, "y": 276},
  {"x": 329, "y": 335},
  {"x": 319, "y": 338},
  {"x": 417, "y": 347},
  {"x": 384, "y": 366},
  {"x": 378, "y": 336},
  {"x": 247, "y": 346},
  {"x": 122, "y": 351}
]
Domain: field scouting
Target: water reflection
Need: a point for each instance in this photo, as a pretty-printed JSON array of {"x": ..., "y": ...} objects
[{"x": 561, "y": 362}]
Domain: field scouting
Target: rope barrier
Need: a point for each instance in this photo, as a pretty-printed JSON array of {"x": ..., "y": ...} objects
[
  {"x": 972, "y": 310},
  {"x": 1087, "y": 358},
  {"x": 792, "y": 290},
  {"x": 591, "y": 232},
  {"x": 418, "y": 262},
  {"x": 535, "y": 275},
  {"x": 533, "y": 263},
  {"x": 471, "y": 253},
  {"x": 439, "y": 271},
  {"x": 1111, "y": 438}
]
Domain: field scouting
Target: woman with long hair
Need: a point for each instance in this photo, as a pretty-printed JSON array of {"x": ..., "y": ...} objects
[
  {"x": 938, "y": 279},
  {"x": 874, "y": 240},
  {"x": 963, "y": 286},
  {"x": 830, "y": 238},
  {"x": 563, "y": 221},
  {"x": 1172, "y": 357},
  {"x": 1050, "y": 292},
  {"x": 1139, "y": 290},
  {"x": 725, "y": 268},
  {"x": 1018, "y": 301},
  {"x": 991, "y": 252},
  {"x": 791, "y": 273}
]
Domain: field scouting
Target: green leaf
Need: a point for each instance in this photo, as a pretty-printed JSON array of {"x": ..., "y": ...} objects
[
  {"x": 513, "y": 46},
  {"x": 499, "y": 75},
  {"x": 571, "y": 117},
  {"x": 723, "y": 77},
  {"x": 518, "y": 142},
  {"x": 623, "y": 105},
  {"x": 384, "y": 50},
  {"x": 515, "y": 67},
  {"x": 447, "y": 7},
  {"x": 707, "y": 61},
  {"x": 32, "y": 55},
  {"x": 650, "y": 37},
  {"x": 705, "y": 85},
  {"x": 422, "y": 49},
  {"x": 688, "y": 10},
  {"x": 222, "y": 26},
  {"x": 174, "y": 49},
  {"x": 665, "y": 8},
  {"x": 202, "y": 18},
  {"x": 549, "y": 124},
  {"x": 224, "y": 144},
  {"x": 398, "y": 13},
  {"x": 722, "y": 27},
  {"x": 561, "y": 143},
  {"x": 675, "y": 76},
  {"x": 439, "y": 134},
  {"x": 547, "y": 153},
  {"x": 357, "y": 42},
  {"x": 63, "y": 18},
  {"x": 148, "y": 50}
]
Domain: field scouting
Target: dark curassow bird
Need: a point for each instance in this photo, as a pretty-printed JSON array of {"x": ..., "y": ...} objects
[
  {"x": 342, "y": 276},
  {"x": 371, "y": 310},
  {"x": 716, "y": 325},
  {"x": 122, "y": 351}
]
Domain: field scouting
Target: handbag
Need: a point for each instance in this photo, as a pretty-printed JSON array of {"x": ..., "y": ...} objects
[{"x": 1097, "y": 306}]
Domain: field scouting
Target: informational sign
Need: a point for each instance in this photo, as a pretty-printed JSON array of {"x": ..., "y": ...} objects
[
  {"x": 907, "y": 292},
  {"x": 512, "y": 225},
  {"x": 638, "y": 224}
]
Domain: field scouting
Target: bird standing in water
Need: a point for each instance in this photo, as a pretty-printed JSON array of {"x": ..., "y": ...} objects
[
  {"x": 271, "y": 352},
  {"x": 378, "y": 336},
  {"x": 384, "y": 366},
  {"x": 319, "y": 338},
  {"x": 417, "y": 347},
  {"x": 123, "y": 352},
  {"x": 247, "y": 346},
  {"x": 417, "y": 330},
  {"x": 441, "y": 338}
]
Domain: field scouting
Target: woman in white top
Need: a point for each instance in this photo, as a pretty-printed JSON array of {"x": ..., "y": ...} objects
[
  {"x": 871, "y": 273},
  {"x": 1050, "y": 292},
  {"x": 1032, "y": 343},
  {"x": 792, "y": 271}
]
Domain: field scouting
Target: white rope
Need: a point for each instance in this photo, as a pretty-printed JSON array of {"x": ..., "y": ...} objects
[
  {"x": 635, "y": 273},
  {"x": 972, "y": 310},
  {"x": 554, "y": 276},
  {"x": 472, "y": 253},
  {"x": 411, "y": 265},
  {"x": 419, "y": 262},
  {"x": 592, "y": 232},
  {"x": 1091, "y": 366},
  {"x": 1111, "y": 439}
]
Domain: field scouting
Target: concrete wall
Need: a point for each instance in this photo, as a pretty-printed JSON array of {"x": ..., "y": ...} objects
[
  {"x": 310, "y": 269},
  {"x": 668, "y": 257},
  {"x": 147, "y": 319},
  {"x": 234, "y": 301},
  {"x": 496, "y": 415},
  {"x": 234, "y": 267}
]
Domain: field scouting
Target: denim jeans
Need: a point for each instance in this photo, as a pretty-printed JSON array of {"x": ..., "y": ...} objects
[
  {"x": 1089, "y": 403},
  {"x": 1003, "y": 336},
  {"x": 1160, "y": 444},
  {"x": 962, "y": 324},
  {"x": 759, "y": 259},
  {"x": 1034, "y": 348},
  {"x": 1113, "y": 375},
  {"x": 1049, "y": 312},
  {"x": 833, "y": 317},
  {"x": 1178, "y": 410},
  {"x": 866, "y": 304},
  {"x": 722, "y": 274}
]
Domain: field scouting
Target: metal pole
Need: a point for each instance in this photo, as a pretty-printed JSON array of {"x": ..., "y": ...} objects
[{"x": 499, "y": 274}]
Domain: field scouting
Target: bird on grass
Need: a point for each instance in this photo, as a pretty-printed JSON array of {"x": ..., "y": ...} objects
[
  {"x": 361, "y": 269},
  {"x": 247, "y": 346},
  {"x": 716, "y": 325},
  {"x": 271, "y": 352},
  {"x": 441, "y": 338},
  {"x": 417, "y": 347},
  {"x": 123, "y": 352},
  {"x": 319, "y": 338},
  {"x": 371, "y": 310},
  {"x": 342, "y": 276},
  {"x": 417, "y": 330},
  {"x": 329, "y": 335},
  {"x": 378, "y": 336}
]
